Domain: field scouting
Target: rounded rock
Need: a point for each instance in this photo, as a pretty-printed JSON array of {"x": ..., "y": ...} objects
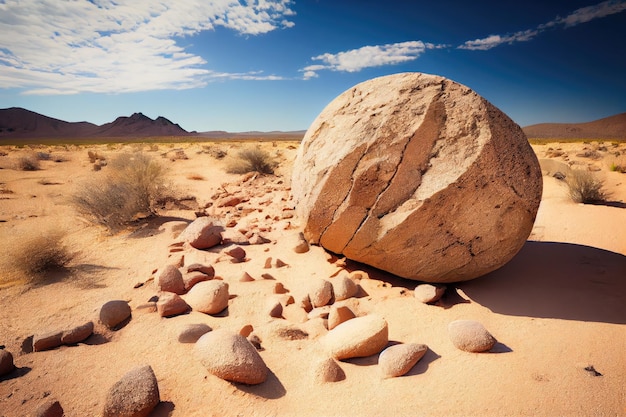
[
  {"x": 192, "y": 332},
  {"x": 359, "y": 337},
  {"x": 203, "y": 233},
  {"x": 327, "y": 370},
  {"x": 470, "y": 336},
  {"x": 429, "y": 181},
  {"x": 320, "y": 292},
  {"x": 429, "y": 293},
  {"x": 6, "y": 362},
  {"x": 344, "y": 288},
  {"x": 209, "y": 297},
  {"x": 397, "y": 360},
  {"x": 114, "y": 312},
  {"x": 134, "y": 395},
  {"x": 171, "y": 304},
  {"x": 231, "y": 357},
  {"x": 170, "y": 279},
  {"x": 338, "y": 315}
]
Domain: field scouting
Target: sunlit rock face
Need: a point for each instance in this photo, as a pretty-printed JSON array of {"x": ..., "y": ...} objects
[{"x": 417, "y": 175}]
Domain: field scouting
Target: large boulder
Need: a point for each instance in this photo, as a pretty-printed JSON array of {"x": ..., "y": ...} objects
[{"x": 417, "y": 175}]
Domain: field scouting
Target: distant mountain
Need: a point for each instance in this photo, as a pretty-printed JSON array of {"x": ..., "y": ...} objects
[
  {"x": 277, "y": 134},
  {"x": 613, "y": 127},
  {"x": 16, "y": 122}
]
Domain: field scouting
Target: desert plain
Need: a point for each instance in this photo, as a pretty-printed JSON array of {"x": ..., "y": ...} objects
[{"x": 557, "y": 309}]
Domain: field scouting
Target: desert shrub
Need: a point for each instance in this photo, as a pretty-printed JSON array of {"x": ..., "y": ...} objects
[
  {"x": 28, "y": 162},
  {"x": 40, "y": 253},
  {"x": 252, "y": 160},
  {"x": 133, "y": 185},
  {"x": 585, "y": 187},
  {"x": 618, "y": 163}
]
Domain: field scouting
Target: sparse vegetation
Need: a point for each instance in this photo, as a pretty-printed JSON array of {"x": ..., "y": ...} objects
[
  {"x": 252, "y": 160},
  {"x": 39, "y": 254},
  {"x": 28, "y": 162},
  {"x": 618, "y": 163},
  {"x": 133, "y": 185},
  {"x": 585, "y": 187}
]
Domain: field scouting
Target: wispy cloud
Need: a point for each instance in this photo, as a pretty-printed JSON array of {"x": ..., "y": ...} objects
[
  {"x": 368, "y": 56},
  {"x": 52, "y": 47},
  {"x": 578, "y": 16},
  {"x": 378, "y": 55}
]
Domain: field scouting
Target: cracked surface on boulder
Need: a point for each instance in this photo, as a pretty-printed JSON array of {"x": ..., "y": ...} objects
[{"x": 419, "y": 176}]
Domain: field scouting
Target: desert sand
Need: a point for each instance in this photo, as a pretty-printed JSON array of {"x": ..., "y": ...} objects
[{"x": 557, "y": 308}]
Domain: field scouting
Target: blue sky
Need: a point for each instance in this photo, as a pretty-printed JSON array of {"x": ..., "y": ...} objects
[{"x": 275, "y": 64}]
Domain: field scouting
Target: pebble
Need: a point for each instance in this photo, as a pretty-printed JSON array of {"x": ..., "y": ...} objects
[
  {"x": 359, "y": 337},
  {"x": 209, "y": 297},
  {"x": 134, "y": 395},
  {"x": 338, "y": 315},
  {"x": 114, "y": 313},
  {"x": 344, "y": 288},
  {"x": 320, "y": 292},
  {"x": 327, "y": 370},
  {"x": 397, "y": 360},
  {"x": 192, "y": 332},
  {"x": 171, "y": 304},
  {"x": 170, "y": 279},
  {"x": 470, "y": 336},
  {"x": 429, "y": 293}
]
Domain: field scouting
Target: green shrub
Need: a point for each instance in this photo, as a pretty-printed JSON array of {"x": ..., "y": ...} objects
[
  {"x": 585, "y": 187},
  {"x": 133, "y": 185},
  {"x": 252, "y": 160}
]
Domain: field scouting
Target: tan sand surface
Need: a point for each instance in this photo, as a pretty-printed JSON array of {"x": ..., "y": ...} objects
[{"x": 558, "y": 307}]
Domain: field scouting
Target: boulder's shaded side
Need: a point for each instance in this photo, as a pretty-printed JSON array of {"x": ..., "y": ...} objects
[{"x": 419, "y": 176}]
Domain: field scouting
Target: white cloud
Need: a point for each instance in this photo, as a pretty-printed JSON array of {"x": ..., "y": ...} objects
[
  {"x": 367, "y": 56},
  {"x": 53, "y": 47},
  {"x": 578, "y": 16}
]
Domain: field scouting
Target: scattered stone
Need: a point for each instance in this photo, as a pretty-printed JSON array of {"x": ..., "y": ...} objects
[
  {"x": 47, "y": 341},
  {"x": 255, "y": 340},
  {"x": 257, "y": 239},
  {"x": 114, "y": 313},
  {"x": 245, "y": 277},
  {"x": 454, "y": 196},
  {"x": 268, "y": 263},
  {"x": 205, "y": 269},
  {"x": 274, "y": 308},
  {"x": 231, "y": 357},
  {"x": 470, "y": 336},
  {"x": 235, "y": 237},
  {"x": 237, "y": 253},
  {"x": 302, "y": 246},
  {"x": 134, "y": 395},
  {"x": 397, "y": 360},
  {"x": 77, "y": 334},
  {"x": 268, "y": 276},
  {"x": 279, "y": 263},
  {"x": 592, "y": 371},
  {"x": 285, "y": 299},
  {"x": 203, "y": 233},
  {"x": 193, "y": 278},
  {"x": 359, "y": 337},
  {"x": 6, "y": 362},
  {"x": 338, "y": 315},
  {"x": 344, "y": 288},
  {"x": 171, "y": 280},
  {"x": 50, "y": 408},
  {"x": 320, "y": 292},
  {"x": 246, "y": 330},
  {"x": 305, "y": 303},
  {"x": 279, "y": 288},
  {"x": 192, "y": 332},
  {"x": 209, "y": 297},
  {"x": 171, "y": 304},
  {"x": 429, "y": 293},
  {"x": 327, "y": 370}
]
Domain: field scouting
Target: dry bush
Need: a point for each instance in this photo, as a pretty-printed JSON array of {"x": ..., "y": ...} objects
[
  {"x": 252, "y": 160},
  {"x": 618, "y": 163},
  {"x": 133, "y": 185},
  {"x": 28, "y": 162},
  {"x": 36, "y": 255},
  {"x": 585, "y": 187}
]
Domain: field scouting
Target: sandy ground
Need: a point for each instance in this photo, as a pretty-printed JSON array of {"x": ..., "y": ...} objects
[{"x": 558, "y": 307}]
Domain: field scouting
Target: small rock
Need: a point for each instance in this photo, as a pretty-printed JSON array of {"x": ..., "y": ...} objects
[
  {"x": 6, "y": 362},
  {"x": 268, "y": 263},
  {"x": 397, "y": 360},
  {"x": 205, "y": 269},
  {"x": 209, "y": 297},
  {"x": 302, "y": 246},
  {"x": 255, "y": 340},
  {"x": 237, "y": 253},
  {"x": 192, "y": 332},
  {"x": 171, "y": 304},
  {"x": 231, "y": 357},
  {"x": 470, "y": 336},
  {"x": 246, "y": 330},
  {"x": 327, "y": 370},
  {"x": 344, "y": 288},
  {"x": 279, "y": 263},
  {"x": 305, "y": 303},
  {"x": 77, "y": 334},
  {"x": 134, "y": 395},
  {"x": 279, "y": 288},
  {"x": 203, "y": 233},
  {"x": 268, "y": 276},
  {"x": 429, "y": 293},
  {"x": 50, "y": 408},
  {"x": 47, "y": 341},
  {"x": 113, "y": 313},
  {"x": 193, "y": 278},
  {"x": 338, "y": 315},
  {"x": 245, "y": 277},
  {"x": 171, "y": 280},
  {"x": 257, "y": 239},
  {"x": 359, "y": 337},
  {"x": 320, "y": 292},
  {"x": 274, "y": 308}
]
